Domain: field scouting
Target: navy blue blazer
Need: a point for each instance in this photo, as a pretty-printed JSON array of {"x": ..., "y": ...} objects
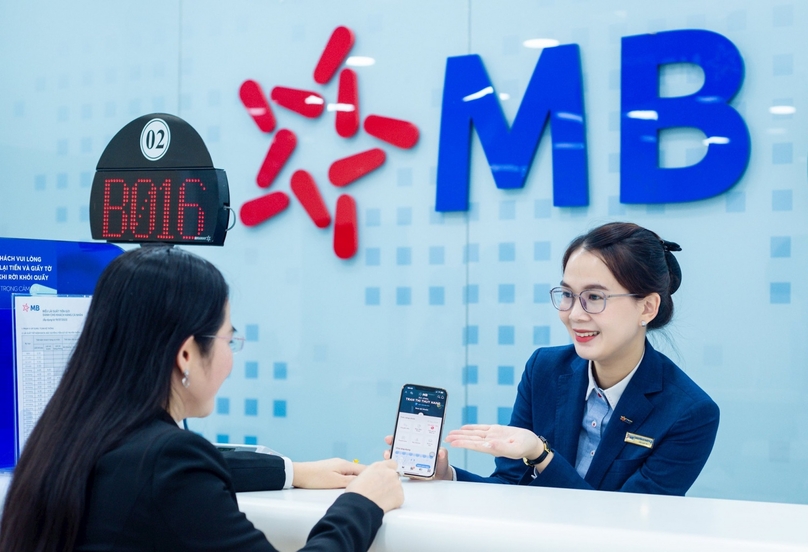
[{"x": 660, "y": 402}]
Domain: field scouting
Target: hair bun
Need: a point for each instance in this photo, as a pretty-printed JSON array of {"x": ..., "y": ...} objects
[
  {"x": 670, "y": 246},
  {"x": 674, "y": 270}
]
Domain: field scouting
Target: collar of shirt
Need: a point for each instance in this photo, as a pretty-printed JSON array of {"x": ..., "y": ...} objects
[{"x": 614, "y": 392}]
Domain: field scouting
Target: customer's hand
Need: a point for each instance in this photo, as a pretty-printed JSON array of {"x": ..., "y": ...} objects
[
  {"x": 442, "y": 468},
  {"x": 380, "y": 483},
  {"x": 334, "y": 473}
]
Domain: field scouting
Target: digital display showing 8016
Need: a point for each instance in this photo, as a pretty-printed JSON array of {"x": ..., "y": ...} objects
[{"x": 176, "y": 206}]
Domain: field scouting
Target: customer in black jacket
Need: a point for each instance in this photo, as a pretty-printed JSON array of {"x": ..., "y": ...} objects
[{"x": 107, "y": 467}]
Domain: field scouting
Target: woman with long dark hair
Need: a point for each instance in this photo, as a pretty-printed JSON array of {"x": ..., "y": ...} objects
[
  {"x": 107, "y": 467},
  {"x": 607, "y": 412}
]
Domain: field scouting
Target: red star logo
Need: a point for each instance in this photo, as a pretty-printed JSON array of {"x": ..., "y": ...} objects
[{"x": 342, "y": 172}]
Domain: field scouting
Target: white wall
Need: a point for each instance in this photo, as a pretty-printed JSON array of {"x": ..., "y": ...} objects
[{"x": 74, "y": 74}]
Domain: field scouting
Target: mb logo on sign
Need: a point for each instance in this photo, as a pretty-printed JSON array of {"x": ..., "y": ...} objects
[{"x": 554, "y": 95}]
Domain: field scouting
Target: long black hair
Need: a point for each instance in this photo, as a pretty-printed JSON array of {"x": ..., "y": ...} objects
[
  {"x": 639, "y": 259},
  {"x": 146, "y": 304}
]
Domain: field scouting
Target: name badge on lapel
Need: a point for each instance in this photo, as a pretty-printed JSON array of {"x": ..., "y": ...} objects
[{"x": 640, "y": 440}]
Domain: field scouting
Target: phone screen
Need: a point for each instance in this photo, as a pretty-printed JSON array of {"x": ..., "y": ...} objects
[{"x": 418, "y": 429}]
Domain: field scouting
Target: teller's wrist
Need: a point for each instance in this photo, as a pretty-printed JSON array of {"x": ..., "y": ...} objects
[
  {"x": 539, "y": 448},
  {"x": 544, "y": 463},
  {"x": 539, "y": 458}
]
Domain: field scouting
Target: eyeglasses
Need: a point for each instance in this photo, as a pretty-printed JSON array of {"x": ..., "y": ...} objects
[
  {"x": 592, "y": 301},
  {"x": 235, "y": 341}
]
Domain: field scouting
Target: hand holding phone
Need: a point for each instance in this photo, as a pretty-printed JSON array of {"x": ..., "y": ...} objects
[{"x": 419, "y": 423}]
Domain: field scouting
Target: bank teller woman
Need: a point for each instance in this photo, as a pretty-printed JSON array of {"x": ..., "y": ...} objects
[
  {"x": 107, "y": 467},
  {"x": 607, "y": 412}
]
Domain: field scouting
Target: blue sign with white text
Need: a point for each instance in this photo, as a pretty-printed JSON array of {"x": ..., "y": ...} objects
[{"x": 35, "y": 266}]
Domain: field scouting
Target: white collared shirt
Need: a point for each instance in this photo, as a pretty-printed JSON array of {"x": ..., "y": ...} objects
[{"x": 614, "y": 392}]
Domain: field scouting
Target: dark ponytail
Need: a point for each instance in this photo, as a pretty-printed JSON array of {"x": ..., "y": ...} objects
[
  {"x": 640, "y": 261},
  {"x": 146, "y": 304}
]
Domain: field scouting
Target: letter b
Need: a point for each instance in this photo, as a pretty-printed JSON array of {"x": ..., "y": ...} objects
[{"x": 644, "y": 114}]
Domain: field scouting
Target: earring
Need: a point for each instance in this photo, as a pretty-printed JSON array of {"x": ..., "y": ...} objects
[
  {"x": 185, "y": 382},
  {"x": 643, "y": 324}
]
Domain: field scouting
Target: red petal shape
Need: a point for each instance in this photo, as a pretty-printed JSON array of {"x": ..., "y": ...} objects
[
  {"x": 347, "y": 104},
  {"x": 262, "y": 208},
  {"x": 308, "y": 104},
  {"x": 402, "y": 134},
  {"x": 344, "y": 171},
  {"x": 346, "y": 237},
  {"x": 282, "y": 147},
  {"x": 306, "y": 191},
  {"x": 334, "y": 54},
  {"x": 257, "y": 105}
]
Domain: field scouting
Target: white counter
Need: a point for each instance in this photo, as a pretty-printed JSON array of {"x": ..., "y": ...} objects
[
  {"x": 446, "y": 516},
  {"x": 451, "y": 516}
]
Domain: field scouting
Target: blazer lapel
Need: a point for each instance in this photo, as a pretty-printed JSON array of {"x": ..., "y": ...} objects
[
  {"x": 570, "y": 409},
  {"x": 634, "y": 406}
]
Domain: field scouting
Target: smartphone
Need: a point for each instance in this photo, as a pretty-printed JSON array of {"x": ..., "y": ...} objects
[{"x": 419, "y": 422}]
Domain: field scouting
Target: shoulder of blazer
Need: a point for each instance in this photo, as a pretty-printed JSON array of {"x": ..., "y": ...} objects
[
  {"x": 152, "y": 438},
  {"x": 661, "y": 374},
  {"x": 556, "y": 361},
  {"x": 145, "y": 439}
]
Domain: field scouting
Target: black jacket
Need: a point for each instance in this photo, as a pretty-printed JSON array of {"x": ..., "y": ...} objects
[
  {"x": 252, "y": 471},
  {"x": 168, "y": 489}
]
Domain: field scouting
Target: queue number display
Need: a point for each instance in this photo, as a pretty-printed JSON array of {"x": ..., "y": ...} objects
[{"x": 172, "y": 206}]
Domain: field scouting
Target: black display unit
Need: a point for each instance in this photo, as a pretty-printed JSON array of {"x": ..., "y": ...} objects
[{"x": 155, "y": 183}]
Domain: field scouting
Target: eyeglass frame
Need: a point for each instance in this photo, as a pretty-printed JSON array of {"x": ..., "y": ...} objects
[
  {"x": 235, "y": 341},
  {"x": 583, "y": 301}
]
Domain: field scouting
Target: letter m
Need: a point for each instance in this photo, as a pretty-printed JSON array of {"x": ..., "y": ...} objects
[{"x": 554, "y": 93}]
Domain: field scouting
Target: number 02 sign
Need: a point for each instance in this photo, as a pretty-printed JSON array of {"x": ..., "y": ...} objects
[
  {"x": 155, "y": 139},
  {"x": 155, "y": 182}
]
